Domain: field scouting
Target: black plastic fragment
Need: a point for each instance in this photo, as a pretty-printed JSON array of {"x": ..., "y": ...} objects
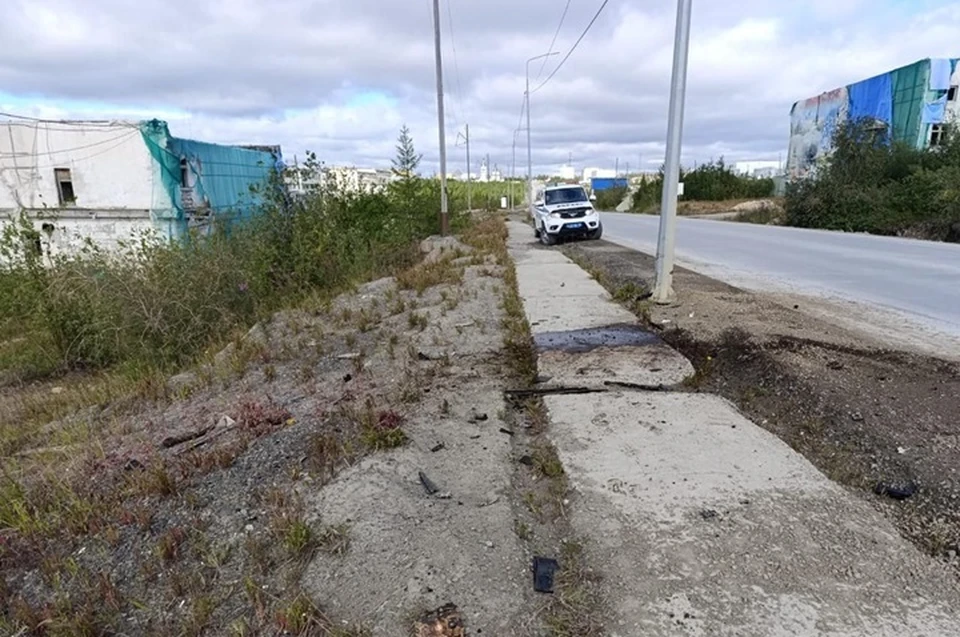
[
  {"x": 896, "y": 491},
  {"x": 544, "y": 569}
]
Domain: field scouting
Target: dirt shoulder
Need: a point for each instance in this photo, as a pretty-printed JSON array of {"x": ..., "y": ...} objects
[
  {"x": 340, "y": 471},
  {"x": 869, "y": 417}
]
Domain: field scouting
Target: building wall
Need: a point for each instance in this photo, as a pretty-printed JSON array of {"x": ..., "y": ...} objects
[
  {"x": 111, "y": 174},
  {"x": 895, "y": 101},
  {"x": 126, "y": 179},
  {"x": 108, "y": 162}
]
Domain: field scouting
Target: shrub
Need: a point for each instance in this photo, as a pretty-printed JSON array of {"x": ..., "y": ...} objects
[
  {"x": 713, "y": 181},
  {"x": 611, "y": 198},
  {"x": 155, "y": 304},
  {"x": 870, "y": 185}
]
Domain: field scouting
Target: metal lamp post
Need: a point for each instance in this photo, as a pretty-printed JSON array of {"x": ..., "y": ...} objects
[
  {"x": 529, "y": 151},
  {"x": 663, "y": 290}
]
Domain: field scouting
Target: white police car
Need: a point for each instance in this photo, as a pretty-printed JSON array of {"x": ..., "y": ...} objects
[{"x": 565, "y": 211}]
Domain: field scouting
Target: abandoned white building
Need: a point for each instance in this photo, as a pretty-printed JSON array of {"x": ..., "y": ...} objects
[{"x": 110, "y": 182}]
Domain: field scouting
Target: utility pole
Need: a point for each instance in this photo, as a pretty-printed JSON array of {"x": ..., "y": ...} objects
[
  {"x": 529, "y": 151},
  {"x": 616, "y": 168},
  {"x": 469, "y": 179},
  {"x": 444, "y": 214},
  {"x": 513, "y": 166},
  {"x": 469, "y": 186},
  {"x": 663, "y": 290}
]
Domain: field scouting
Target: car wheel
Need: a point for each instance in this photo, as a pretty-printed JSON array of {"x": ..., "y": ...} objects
[
  {"x": 593, "y": 235},
  {"x": 547, "y": 239}
]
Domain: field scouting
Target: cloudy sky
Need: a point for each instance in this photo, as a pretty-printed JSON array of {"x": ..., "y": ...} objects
[{"x": 340, "y": 77}]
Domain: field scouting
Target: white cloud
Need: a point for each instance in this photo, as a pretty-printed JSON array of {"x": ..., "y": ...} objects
[{"x": 291, "y": 71}]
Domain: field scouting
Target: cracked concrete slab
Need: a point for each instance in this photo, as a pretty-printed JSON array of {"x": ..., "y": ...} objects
[
  {"x": 705, "y": 524},
  {"x": 701, "y": 522},
  {"x": 558, "y": 296}
]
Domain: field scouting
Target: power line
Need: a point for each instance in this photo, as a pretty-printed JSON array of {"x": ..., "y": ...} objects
[
  {"x": 563, "y": 16},
  {"x": 523, "y": 108},
  {"x": 71, "y": 123},
  {"x": 456, "y": 64},
  {"x": 574, "y": 47},
  {"x": 122, "y": 136}
]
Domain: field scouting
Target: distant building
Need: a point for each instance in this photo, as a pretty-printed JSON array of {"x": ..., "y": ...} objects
[
  {"x": 758, "y": 169},
  {"x": 591, "y": 173},
  {"x": 111, "y": 182},
  {"x": 567, "y": 172},
  {"x": 347, "y": 179},
  {"x": 913, "y": 104}
]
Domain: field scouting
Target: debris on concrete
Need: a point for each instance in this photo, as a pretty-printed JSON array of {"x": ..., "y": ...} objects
[
  {"x": 544, "y": 569},
  {"x": 428, "y": 484},
  {"x": 504, "y": 430},
  {"x": 437, "y": 447},
  {"x": 446, "y": 621}
]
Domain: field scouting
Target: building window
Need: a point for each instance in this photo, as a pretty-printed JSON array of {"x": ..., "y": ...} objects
[
  {"x": 184, "y": 174},
  {"x": 952, "y": 94},
  {"x": 938, "y": 134},
  {"x": 64, "y": 186}
]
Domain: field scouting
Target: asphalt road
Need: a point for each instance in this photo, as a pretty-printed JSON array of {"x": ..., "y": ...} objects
[{"x": 919, "y": 279}]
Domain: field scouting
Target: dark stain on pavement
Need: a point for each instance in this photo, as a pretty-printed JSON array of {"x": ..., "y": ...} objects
[{"x": 587, "y": 340}]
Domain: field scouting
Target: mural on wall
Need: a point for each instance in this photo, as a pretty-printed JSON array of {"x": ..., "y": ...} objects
[
  {"x": 812, "y": 124},
  {"x": 903, "y": 105}
]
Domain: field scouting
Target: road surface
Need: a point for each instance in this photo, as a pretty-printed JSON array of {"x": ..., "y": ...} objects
[{"x": 919, "y": 280}]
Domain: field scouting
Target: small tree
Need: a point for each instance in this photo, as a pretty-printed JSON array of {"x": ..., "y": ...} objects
[{"x": 408, "y": 160}]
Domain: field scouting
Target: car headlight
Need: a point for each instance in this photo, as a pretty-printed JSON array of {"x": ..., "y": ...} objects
[{"x": 555, "y": 215}]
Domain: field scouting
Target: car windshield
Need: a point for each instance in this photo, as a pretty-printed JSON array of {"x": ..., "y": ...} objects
[{"x": 564, "y": 195}]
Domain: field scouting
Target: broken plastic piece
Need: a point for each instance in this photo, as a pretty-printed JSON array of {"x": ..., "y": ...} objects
[
  {"x": 428, "y": 484},
  {"x": 543, "y": 571},
  {"x": 896, "y": 491}
]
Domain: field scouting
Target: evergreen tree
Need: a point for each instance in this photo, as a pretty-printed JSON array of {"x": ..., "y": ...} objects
[{"x": 407, "y": 160}]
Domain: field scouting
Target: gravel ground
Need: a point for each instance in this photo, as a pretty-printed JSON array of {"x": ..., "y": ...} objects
[{"x": 278, "y": 491}]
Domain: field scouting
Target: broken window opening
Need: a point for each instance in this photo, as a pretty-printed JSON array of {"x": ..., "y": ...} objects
[
  {"x": 64, "y": 186},
  {"x": 952, "y": 94},
  {"x": 184, "y": 174},
  {"x": 938, "y": 134}
]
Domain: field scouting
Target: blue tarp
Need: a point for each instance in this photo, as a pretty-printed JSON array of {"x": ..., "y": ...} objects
[
  {"x": 606, "y": 183},
  {"x": 225, "y": 176},
  {"x": 872, "y": 99},
  {"x": 941, "y": 70},
  {"x": 934, "y": 112}
]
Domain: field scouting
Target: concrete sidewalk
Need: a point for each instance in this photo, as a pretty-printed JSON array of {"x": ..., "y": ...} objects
[{"x": 701, "y": 522}]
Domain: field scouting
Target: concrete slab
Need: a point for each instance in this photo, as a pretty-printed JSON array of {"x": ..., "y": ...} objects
[
  {"x": 701, "y": 522},
  {"x": 706, "y": 524},
  {"x": 559, "y": 296}
]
